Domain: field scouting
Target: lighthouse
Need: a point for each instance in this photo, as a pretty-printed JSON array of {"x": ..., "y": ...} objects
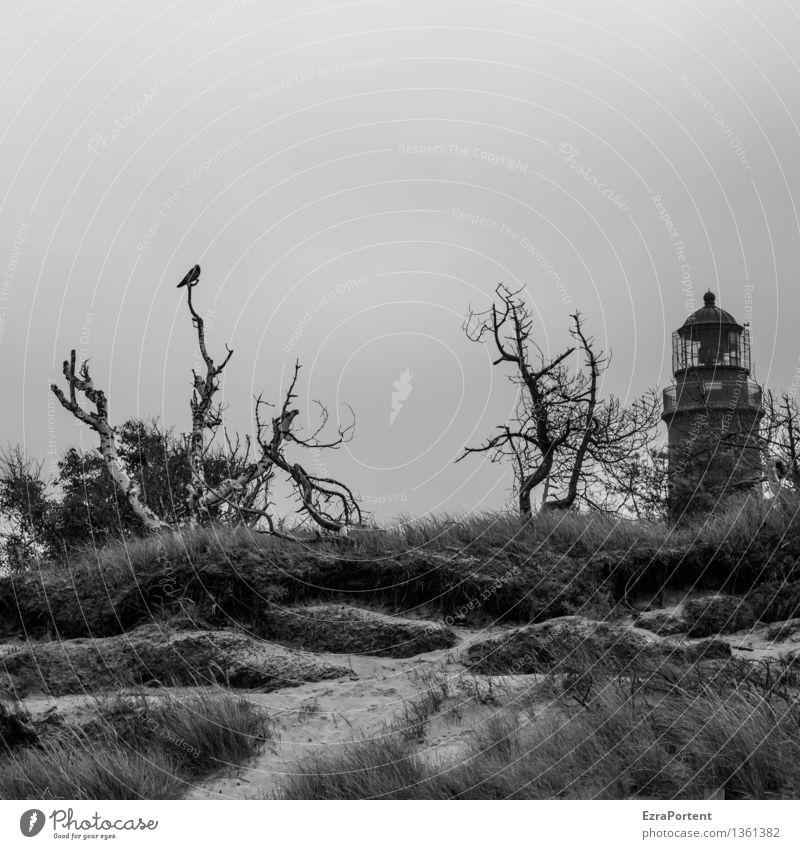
[{"x": 712, "y": 411}]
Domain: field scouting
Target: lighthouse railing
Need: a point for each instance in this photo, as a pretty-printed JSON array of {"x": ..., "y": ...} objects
[{"x": 707, "y": 346}]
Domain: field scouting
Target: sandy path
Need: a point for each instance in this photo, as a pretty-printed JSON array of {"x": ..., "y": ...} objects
[{"x": 331, "y": 713}]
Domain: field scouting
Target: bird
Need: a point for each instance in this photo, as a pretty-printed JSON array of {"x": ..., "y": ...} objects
[{"x": 191, "y": 278}]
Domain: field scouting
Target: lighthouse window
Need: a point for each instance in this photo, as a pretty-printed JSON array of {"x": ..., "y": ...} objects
[
  {"x": 710, "y": 352},
  {"x": 733, "y": 346}
]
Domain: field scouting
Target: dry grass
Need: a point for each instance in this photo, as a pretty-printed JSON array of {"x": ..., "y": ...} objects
[
  {"x": 678, "y": 740},
  {"x": 230, "y": 576},
  {"x": 735, "y": 524},
  {"x": 136, "y": 747},
  {"x": 413, "y": 720},
  {"x": 565, "y": 563}
]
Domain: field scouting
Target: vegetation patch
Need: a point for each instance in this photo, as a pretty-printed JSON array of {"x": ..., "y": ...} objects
[
  {"x": 412, "y": 722},
  {"x": 344, "y": 629},
  {"x": 717, "y": 614},
  {"x": 137, "y": 747},
  {"x": 665, "y": 624},
  {"x": 570, "y": 644},
  {"x": 15, "y": 726},
  {"x": 477, "y": 569},
  {"x": 151, "y": 656},
  {"x": 776, "y": 600},
  {"x": 783, "y": 630},
  {"x": 621, "y": 739},
  {"x": 231, "y": 576}
]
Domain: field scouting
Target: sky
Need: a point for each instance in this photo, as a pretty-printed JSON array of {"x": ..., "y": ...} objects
[{"x": 353, "y": 177}]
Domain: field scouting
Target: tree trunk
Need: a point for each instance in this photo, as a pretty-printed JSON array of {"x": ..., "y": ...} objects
[
  {"x": 127, "y": 487},
  {"x": 530, "y": 483}
]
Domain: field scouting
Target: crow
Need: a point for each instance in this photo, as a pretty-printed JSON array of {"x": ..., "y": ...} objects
[{"x": 191, "y": 278}]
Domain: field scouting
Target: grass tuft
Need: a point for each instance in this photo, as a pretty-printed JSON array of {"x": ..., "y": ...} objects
[{"x": 137, "y": 747}]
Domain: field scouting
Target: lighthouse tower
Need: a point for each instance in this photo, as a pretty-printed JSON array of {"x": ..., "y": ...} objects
[{"x": 712, "y": 411}]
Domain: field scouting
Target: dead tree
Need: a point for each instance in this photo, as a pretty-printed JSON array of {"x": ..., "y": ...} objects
[
  {"x": 327, "y": 502},
  {"x": 562, "y": 433},
  {"x": 252, "y": 463},
  {"x": 206, "y": 415},
  {"x": 539, "y": 430},
  {"x": 97, "y": 420}
]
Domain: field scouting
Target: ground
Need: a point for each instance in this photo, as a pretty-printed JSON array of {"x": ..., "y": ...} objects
[{"x": 437, "y": 699}]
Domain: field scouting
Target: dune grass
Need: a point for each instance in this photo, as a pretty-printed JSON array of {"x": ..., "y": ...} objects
[
  {"x": 136, "y": 747},
  {"x": 735, "y": 524},
  {"x": 567, "y": 563},
  {"x": 232, "y": 576},
  {"x": 684, "y": 738}
]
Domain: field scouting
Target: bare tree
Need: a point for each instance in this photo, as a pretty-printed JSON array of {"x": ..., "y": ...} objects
[
  {"x": 206, "y": 415},
  {"x": 562, "y": 434},
  {"x": 97, "y": 420},
  {"x": 251, "y": 463},
  {"x": 327, "y": 502},
  {"x": 538, "y": 429}
]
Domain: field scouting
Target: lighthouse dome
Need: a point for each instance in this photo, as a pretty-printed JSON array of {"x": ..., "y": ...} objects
[{"x": 710, "y": 313}]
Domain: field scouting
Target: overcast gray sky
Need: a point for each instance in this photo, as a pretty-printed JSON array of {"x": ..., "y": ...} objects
[{"x": 351, "y": 176}]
